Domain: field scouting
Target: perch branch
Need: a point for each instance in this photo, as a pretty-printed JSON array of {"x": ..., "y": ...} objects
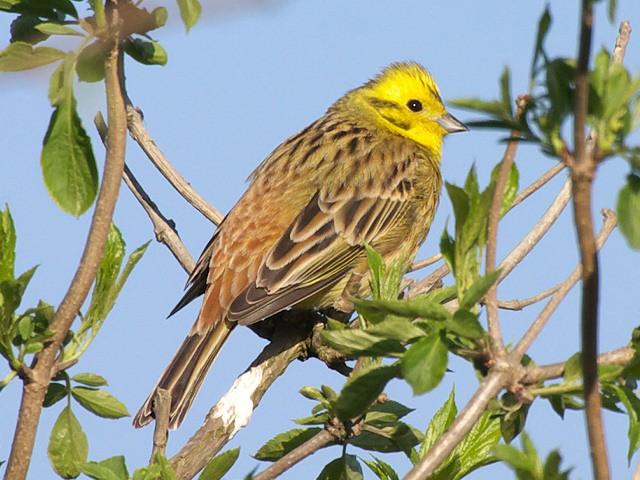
[
  {"x": 161, "y": 408},
  {"x": 520, "y": 304}
]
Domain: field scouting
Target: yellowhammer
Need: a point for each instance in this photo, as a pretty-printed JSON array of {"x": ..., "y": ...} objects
[{"x": 367, "y": 172}]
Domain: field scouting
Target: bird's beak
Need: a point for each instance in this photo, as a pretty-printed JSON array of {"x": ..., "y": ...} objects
[{"x": 451, "y": 124}]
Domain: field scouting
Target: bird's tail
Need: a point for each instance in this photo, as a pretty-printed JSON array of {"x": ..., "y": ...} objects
[{"x": 185, "y": 373}]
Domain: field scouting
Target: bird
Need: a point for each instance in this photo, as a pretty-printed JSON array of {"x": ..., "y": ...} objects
[{"x": 366, "y": 173}]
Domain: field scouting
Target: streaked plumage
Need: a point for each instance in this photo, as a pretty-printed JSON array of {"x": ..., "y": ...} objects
[{"x": 367, "y": 172}]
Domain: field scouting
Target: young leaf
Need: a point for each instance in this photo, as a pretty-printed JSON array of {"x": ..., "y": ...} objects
[
  {"x": 440, "y": 422},
  {"x": 7, "y": 245},
  {"x": 90, "y": 64},
  {"x": 55, "y": 393},
  {"x": 346, "y": 467},
  {"x": 68, "y": 165},
  {"x": 99, "y": 402},
  {"x": 632, "y": 405},
  {"x": 397, "y": 437},
  {"x": 628, "y": 210},
  {"x": 382, "y": 469},
  {"x": 220, "y": 465},
  {"x": 283, "y": 443},
  {"x": 478, "y": 290},
  {"x": 146, "y": 52},
  {"x": 23, "y": 56},
  {"x": 505, "y": 92},
  {"x": 89, "y": 379},
  {"x": 424, "y": 363},
  {"x": 112, "y": 468},
  {"x": 51, "y": 28},
  {"x": 362, "y": 389},
  {"x": 189, "y": 12},
  {"x": 543, "y": 28},
  {"x": 465, "y": 324},
  {"x": 68, "y": 446}
]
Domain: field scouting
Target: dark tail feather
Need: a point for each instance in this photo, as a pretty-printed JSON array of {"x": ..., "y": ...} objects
[{"x": 185, "y": 373}]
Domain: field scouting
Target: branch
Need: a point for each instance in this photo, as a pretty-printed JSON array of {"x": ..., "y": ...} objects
[
  {"x": 622, "y": 41},
  {"x": 320, "y": 440},
  {"x": 520, "y": 304},
  {"x": 487, "y": 390},
  {"x": 141, "y": 136},
  {"x": 537, "y": 184},
  {"x": 34, "y": 390},
  {"x": 233, "y": 411},
  {"x": 583, "y": 169},
  {"x": 161, "y": 408},
  {"x": 163, "y": 228},
  {"x": 538, "y": 324},
  {"x": 621, "y": 356},
  {"x": 491, "y": 298}
]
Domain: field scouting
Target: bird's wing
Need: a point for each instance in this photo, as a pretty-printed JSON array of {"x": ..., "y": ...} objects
[{"x": 324, "y": 242}]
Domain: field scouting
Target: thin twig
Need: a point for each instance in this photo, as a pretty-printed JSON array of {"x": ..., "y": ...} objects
[
  {"x": 322, "y": 439},
  {"x": 163, "y": 228},
  {"x": 140, "y": 134},
  {"x": 520, "y": 304},
  {"x": 487, "y": 390},
  {"x": 34, "y": 391},
  {"x": 537, "y": 184},
  {"x": 537, "y": 232},
  {"x": 624, "y": 33},
  {"x": 538, "y": 324},
  {"x": 161, "y": 407},
  {"x": 422, "y": 286},
  {"x": 621, "y": 356},
  {"x": 491, "y": 298},
  {"x": 417, "y": 265}
]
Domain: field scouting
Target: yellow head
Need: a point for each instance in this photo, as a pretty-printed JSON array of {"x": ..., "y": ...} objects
[{"x": 404, "y": 99}]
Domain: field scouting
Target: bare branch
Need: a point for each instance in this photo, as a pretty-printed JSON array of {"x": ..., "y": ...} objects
[
  {"x": 34, "y": 390},
  {"x": 417, "y": 265},
  {"x": 161, "y": 407},
  {"x": 537, "y": 184},
  {"x": 537, "y": 232},
  {"x": 520, "y": 304},
  {"x": 320, "y": 440},
  {"x": 491, "y": 298},
  {"x": 163, "y": 228},
  {"x": 621, "y": 356},
  {"x": 427, "y": 283},
  {"x": 621, "y": 42},
  {"x": 487, "y": 390},
  {"x": 139, "y": 133},
  {"x": 538, "y": 324}
]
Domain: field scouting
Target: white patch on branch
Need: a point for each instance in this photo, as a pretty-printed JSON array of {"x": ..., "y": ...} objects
[{"x": 236, "y": 407}]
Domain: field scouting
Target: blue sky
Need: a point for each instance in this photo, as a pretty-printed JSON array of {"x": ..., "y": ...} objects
[{"x": 238, "y": 84}]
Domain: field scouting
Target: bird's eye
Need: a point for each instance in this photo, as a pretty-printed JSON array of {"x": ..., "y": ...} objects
[{"x": 414, "y": 105}]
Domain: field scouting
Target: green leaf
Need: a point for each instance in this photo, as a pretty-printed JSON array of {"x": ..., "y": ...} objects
[
  {"x": 505, "y": 92},
  {"x": 55, "y": 393},
  {"x": 99, "y": 402},
  {"x": 513, "y": 422},
  {"x": 439, "y": 423},
  {"x": 220, "y": 465},
  {"x": 492, "y": 108},
  {"x": 632, "y": 406},
  {"x": 362, "y": 389},
  {"x": 573, "y": 368},
  {"x": 283, "y": 443},
  {"x": 68, "y": 165},
  {"x": 376, "y": 270},
  {"x": 346, "y": 467},
  {"x": 23, "y": 56},
  {"x": 112, "y": 468},
  {"x": 23, "y": 30},
  {"x": 611, "y": 10},
  {"x": 418, "y": 307},
  {"x": 7, "y": 245},
  {"x": 146, "y": 52},
  {"x": 465, "y": 324},
  {"x": 382, "y": 469},
  {"x": 628, "y": 210},
  {"x": 91, "y": 61},
  {"x": 89, "y": 379},
  {"x": 543, "y": 28},
  {"x": 478, "y": 290},
  {"x": 190, "y": 12},
  {"x": 68, "y": 446},
  {"x": 51, "y": 28},
  {"x": 397, "y": 437},
  {"x": 423, "y": 365}
]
